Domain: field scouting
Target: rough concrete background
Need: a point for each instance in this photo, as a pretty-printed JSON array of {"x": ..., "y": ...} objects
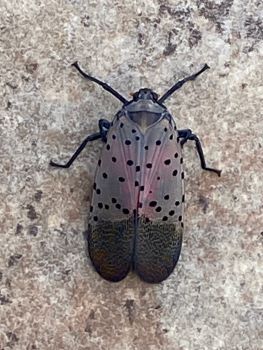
[{"x": 50, "y": 297}]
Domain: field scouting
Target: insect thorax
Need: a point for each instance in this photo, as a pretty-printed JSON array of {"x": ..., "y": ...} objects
[{"x": 144, "y": 113}]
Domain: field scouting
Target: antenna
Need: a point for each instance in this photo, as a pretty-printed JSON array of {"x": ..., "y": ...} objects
[
  {"x": 180, "y": 83},
  {"x": 101, "y": 83}
]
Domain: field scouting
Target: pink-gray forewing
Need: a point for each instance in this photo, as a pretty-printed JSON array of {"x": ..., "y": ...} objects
[
  {"x": 114, "y": 201},
  {"x": 162, "y": 174},
  {"x": 160, "y": 224}
]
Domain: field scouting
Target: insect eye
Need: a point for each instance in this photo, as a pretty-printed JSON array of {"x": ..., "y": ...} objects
[
  {"x": 135, "y": 96},
  {"x": 155, "y": 96}
]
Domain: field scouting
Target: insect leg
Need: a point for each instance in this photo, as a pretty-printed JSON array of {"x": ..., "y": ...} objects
[
  {"x": 187, "y": 134},
  {"x": 184, "y": 134},
  {"x": 180, "y": 83},
  {"x": 104, "y": 126}
]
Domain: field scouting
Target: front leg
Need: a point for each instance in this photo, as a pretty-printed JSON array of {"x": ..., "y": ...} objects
[
  {"x": 186, "y": 135},
  {"x": 104, "y": 126}
]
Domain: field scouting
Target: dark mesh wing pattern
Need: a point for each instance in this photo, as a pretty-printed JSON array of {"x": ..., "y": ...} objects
[
  {"x": 158, "y": 249},
  {"x": 110, "y": 247}
]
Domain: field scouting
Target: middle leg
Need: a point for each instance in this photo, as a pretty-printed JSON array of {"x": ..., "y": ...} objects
[{"x": 186, "y": 134}]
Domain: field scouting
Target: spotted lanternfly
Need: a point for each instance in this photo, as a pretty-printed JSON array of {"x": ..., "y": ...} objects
[{"x": 136, "y": 213}]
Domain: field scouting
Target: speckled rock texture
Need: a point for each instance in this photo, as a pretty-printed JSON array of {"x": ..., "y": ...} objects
[{"x": 50, "y": 296}]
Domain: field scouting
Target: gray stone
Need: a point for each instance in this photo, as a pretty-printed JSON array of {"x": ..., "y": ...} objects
[{"x": 50, "y": 296}]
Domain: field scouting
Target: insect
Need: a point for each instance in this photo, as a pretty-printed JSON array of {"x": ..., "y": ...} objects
[{"x": 136, "y": 212}]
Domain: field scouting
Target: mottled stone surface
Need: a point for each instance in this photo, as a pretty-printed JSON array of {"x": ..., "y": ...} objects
[{"x": 50, "y": 297}]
